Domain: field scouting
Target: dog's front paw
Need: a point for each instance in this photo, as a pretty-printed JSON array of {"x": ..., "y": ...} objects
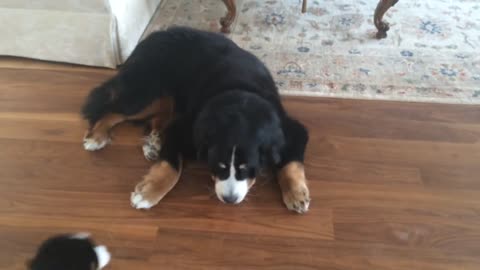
[
  {"x": 151, "y": 147},
  {"x": 155, "y": 185},
  {"x": 146, "y": 194},
  {"x": 293, "y": 183},
  {"x": 297, "y": 199},
  {"x": 141, "y": 200},
  {"x": 93, "y": 141}
]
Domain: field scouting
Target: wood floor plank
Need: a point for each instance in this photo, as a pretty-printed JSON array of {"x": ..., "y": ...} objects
[
  {"x": 341, "y": 194},
  {"x": 70, "y": 154},
  {"x": 338, "y": 170},
  {"x": 409, "y": 111},
  {"x": 400, "y": 152},
  {"x": 451, "y": 176},
  {"x": 410, "y": 227},
  {"x": 240, "y": 251},
  {"x": 62, "y": 131},
  {"x": 43, "y": 91},
  {"x": 355, "y": 124},
  {"x": 28, "y": 65},
  {"x": 393, "y": 185},
  {"x": 104, "y": 208}
]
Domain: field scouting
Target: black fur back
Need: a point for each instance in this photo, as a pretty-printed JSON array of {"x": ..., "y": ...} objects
[{"x": 187, "y": 64}]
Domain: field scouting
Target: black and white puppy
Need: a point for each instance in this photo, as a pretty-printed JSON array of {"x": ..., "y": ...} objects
[
  {"x": 228, "y": 112},
  {"x": 70, "y": 252}
]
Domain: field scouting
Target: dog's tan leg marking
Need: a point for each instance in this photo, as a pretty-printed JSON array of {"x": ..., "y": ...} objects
[
  {"x": 153, "y": 142},
  {"x": 99, "y": 135},
  {"x": 293, "y": 184},
  {"x": 155, "y": 185}
]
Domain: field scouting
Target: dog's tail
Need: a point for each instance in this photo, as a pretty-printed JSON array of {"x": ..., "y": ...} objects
[{"x": 99, "y": 101}]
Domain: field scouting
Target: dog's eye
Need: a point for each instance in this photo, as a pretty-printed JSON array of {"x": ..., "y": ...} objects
[
  {"x": 242, "y": 166},
  {"x": 222, "y": 165}
]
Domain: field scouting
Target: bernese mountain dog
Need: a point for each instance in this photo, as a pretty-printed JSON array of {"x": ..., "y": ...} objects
[{"x": 228, "y": 113}]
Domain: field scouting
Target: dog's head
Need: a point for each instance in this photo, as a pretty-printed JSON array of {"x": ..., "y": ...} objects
[
  {"x": 234, "y": 170},
  {"x": 237, "y": 133}
]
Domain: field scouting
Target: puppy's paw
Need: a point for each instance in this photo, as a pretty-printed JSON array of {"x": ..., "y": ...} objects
[
  {"x": 93, "y": 142},
  {"x": 103, "y": 256},
  {"x": 297, "y": 199},
  {"x": 151, "y": 146}
]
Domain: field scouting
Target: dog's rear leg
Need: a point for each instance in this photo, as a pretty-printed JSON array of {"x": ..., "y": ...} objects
[
  {"x": 163, "y": 176},
  {"x": 98, "y": 136},
  {"x": 153, "y": 143}
]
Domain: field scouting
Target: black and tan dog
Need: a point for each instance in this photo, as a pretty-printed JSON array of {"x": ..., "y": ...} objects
[{"x": 227, "y": 112}]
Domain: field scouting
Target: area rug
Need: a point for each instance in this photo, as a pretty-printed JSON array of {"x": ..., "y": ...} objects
[{"x": 431, "y": 54}]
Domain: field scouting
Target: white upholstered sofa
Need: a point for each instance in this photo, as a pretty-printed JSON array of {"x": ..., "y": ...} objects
[{"x": 87, "y": 32}]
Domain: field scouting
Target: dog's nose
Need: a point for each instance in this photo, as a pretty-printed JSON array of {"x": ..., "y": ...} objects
[{"x": 230, "y": 198}]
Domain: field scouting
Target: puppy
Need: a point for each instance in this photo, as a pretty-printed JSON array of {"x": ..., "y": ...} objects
[{"x": 70, "y": 252}]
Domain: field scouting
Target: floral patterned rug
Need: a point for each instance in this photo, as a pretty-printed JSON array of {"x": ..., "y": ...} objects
[{"x": 431, "y": 54}]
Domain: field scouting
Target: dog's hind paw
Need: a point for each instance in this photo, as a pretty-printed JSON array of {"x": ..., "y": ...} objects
[
  {"x": 91, "y": 144},
  {"x": 151, "y": 147}
]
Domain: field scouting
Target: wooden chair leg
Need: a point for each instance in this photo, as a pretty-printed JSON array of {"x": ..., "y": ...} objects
[
  {"x": 382, "y": 26},
  {"x": 228, "y": 19},
  {"x": 304, "y": 6}
]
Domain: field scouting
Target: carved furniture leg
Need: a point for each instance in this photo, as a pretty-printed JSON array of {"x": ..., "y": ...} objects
[
  {"x": 229, "y": 17},
  {"x": 382, "y": 26}
]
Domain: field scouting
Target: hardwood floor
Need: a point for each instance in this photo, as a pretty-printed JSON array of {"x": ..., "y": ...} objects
[{"x": 393, "y": 185}]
